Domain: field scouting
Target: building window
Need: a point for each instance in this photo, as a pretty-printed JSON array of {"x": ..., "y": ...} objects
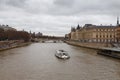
[
  {"x": 96, "y": 36},
  {"x": 110, "y": 36},
  {"x": 105, "y": 40},
  {"x": 107, "y": 36},
  {"x": 101, "y": 40},
  {"x": 98, "y": 40}
]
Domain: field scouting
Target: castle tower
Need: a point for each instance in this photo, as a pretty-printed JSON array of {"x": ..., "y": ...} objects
[
  {"x": 117, "y": 21},
  {"x": 78, "y": 27}
]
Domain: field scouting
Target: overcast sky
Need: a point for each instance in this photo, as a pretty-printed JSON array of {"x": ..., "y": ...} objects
[{"x": 55, "y": 17}]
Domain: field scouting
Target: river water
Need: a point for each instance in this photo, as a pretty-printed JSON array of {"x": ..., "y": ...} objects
[{"x": 37, "y": 62}]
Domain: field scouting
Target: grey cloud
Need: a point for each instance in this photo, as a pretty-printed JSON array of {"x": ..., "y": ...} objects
[
  {"x": 75, "y": 7},
  {"x": 16, "y": 3},
  {"x": 8, "y": 4},
  {"x": 67, "y": 3},
  {"x": 57, "y": 16},
  {"x": 2, "y": 1}
]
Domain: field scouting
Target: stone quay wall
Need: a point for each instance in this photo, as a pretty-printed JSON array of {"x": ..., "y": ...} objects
[
  {"x": 4, "y": 45},
  {"x": 89, "y": 45}
]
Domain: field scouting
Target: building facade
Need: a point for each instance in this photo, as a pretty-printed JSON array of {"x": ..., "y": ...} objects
[
  {"x": 118, "y": 33},
  {"x": 96, "y": 33}
]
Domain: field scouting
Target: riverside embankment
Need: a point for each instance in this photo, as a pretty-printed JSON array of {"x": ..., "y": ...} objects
[
  {"x": 5, "y": 45},
  {"x": 114, "y": 52},
  {"x": 89, "y": 45}
]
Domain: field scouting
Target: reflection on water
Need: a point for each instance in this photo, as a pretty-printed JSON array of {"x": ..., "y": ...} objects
[{"x": 38, "y": 62}]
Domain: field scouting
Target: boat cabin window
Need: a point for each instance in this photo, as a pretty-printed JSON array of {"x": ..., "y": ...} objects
[
  {"x": 62, "y": 50},
  {"x": 64, "y": 54}
]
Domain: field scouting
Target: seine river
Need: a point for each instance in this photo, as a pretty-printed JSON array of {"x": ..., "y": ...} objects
[{"x": 37, "y": 62}]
